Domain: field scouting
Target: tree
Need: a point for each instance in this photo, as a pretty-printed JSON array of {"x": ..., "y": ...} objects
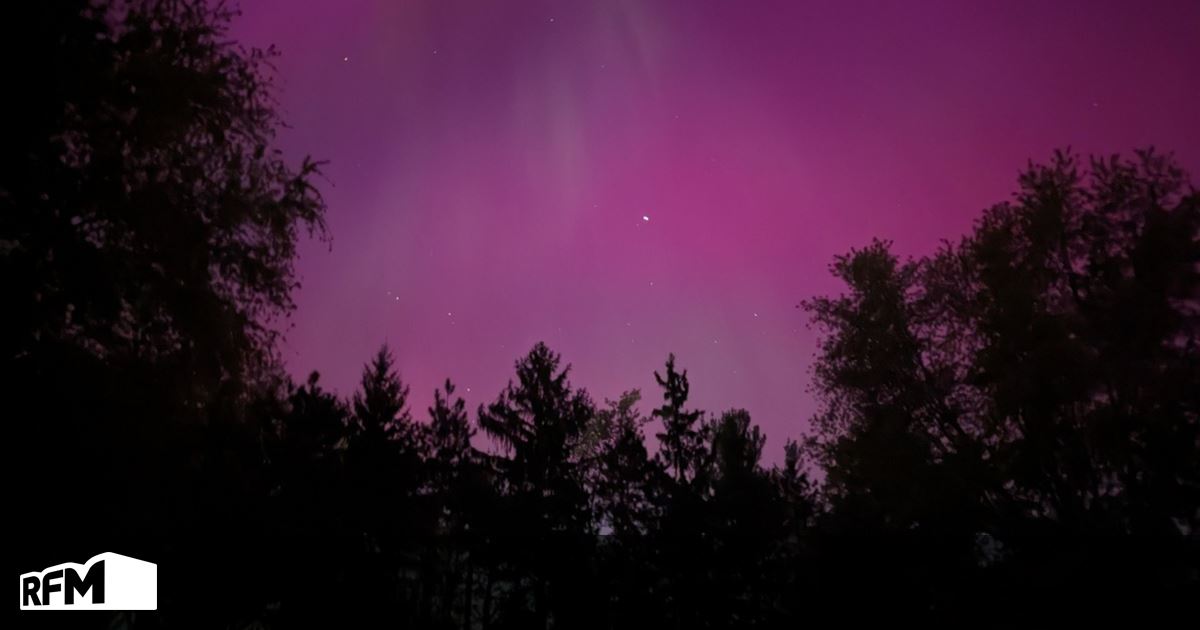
[
  {"x": 381, "y": 420},
  {"x": 147, "y": 232},
  {"x": 625, "y": 484},
  {"x": 1030, "y": 387},
  {"x": 682, "y": 537},
  {"x": 788, "y": 573},
  {"x": 744, "y": 521},
  {"x": 145, "y": 215},
  {"x": 459, "y": 492},
  {"x": 538, "y": 420},
  {"x": 384, "y": 458},
  {"x": 736, "y": 446},
  {"x": 626, "y": 477},
  {"x": 450, "y": 432},
  {"x": 314, "y": 427},
  {"x": 307, "y": 506},
  {"x": 680, "y": 441}
]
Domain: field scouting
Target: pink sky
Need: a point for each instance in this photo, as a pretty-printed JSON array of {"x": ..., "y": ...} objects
[{"x": 491, "y": 165}]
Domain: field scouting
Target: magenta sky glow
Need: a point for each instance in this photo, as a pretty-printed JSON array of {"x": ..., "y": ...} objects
[{"x": 492, "y": 166}]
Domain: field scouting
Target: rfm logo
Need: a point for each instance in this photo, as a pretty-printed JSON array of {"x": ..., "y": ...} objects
[{"x": 109, "y": 581}]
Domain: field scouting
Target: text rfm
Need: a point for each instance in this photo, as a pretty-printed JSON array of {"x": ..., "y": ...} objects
[{"x": 68, "y": 579}]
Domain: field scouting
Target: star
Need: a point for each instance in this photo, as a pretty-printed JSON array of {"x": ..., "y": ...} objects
[{"x": 345, "y": 59}]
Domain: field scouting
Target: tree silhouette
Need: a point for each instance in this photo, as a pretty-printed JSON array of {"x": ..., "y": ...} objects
[
  {"x": 307, "y": 507},
  {"x": 628, "y": 477},
  {"x": 1029, "y": 388},
  {"x": 746, "y": 520},
  {"x": 381, "y": 421},
  {"x": 539, "y": 420},
  {"x": 150, "y": 219},
  {"x": 683, "y": 535},
  {"x": 458, "y": 487},
  {"x": 681, "y": 438},
  {"x": 147, "y": 234},
  {"x": 626, "y": 490},
  {"x": 384, "y": 455},
  {"x": 450, "y": 432}
]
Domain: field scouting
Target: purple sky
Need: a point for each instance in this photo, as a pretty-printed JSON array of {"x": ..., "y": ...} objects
[{"x": 492, "y": 166}]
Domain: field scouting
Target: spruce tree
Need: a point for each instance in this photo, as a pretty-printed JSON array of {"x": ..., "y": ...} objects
[
  {"x": 681, "y": 439},
  {"x": 538, "y": 420}
]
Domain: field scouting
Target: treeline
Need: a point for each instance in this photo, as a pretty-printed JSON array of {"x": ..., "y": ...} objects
[
  {"x": 565, "y": 521},
  {"x": 1008, "y": 434},
  {"x": 1008, "y": 437}
]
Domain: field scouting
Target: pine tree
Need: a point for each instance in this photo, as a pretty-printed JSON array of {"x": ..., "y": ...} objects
[
  {"x": 452, "y": 475},
  {"x": 381, "y": 417},
  {"x": 384, "y": 470},
  {"x": 681, "y": 439},
  {"x": 538, "y": 421}
]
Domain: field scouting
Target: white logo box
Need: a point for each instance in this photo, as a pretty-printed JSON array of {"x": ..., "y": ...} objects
[{"x": 127, "y": 584}]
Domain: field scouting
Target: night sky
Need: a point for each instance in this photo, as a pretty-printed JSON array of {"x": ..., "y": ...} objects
[{"x": 627, "y": 179}]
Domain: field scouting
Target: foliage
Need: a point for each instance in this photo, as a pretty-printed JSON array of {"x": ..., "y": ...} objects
[{"x": 1032, "y": 386}]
